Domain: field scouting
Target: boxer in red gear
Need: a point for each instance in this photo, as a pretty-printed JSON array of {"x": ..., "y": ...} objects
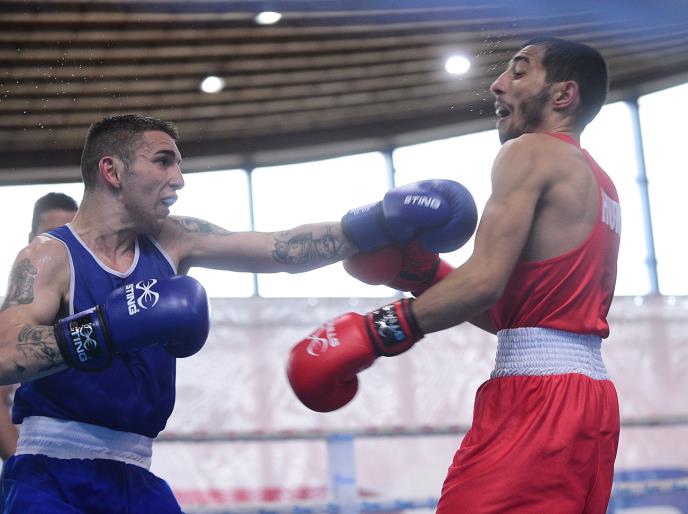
[
  {"x": 546, "y": 425},
  {"x": 541, "y": 276},
  {"x": 549, "y": 393}
]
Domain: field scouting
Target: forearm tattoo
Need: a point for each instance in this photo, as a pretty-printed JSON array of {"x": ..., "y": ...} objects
[
  {"x": 20, "y": 290},
  {"x": 37, "y": 343},
  {"x": 304, "y": 248},
  {"x": 200, "y": 226}
]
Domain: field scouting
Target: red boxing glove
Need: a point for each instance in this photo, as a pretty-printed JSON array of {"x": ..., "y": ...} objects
[
  {"x": 420, "y": 269},
  {"x": 407, "y": 268},
  {"x": 322, "y": 367}
]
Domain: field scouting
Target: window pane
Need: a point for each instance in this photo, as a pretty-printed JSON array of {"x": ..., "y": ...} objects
[
  {"x": 17, "y": 209},
  {"x": 609, "y": 139},
  {"x": 465, "y": 159},
  {"x": 220, "y": 197},
  {"x": 662, "y": 116},
  {"x": 292, "y": 195}
]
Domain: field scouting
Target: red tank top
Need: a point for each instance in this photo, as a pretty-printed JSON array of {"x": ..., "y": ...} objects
[{"x": 572, "y": 291}]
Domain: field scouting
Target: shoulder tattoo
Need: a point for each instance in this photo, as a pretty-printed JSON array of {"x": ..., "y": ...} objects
[
  {"x": 200, "y": 226},
  {"x": 20, "y": 290}
]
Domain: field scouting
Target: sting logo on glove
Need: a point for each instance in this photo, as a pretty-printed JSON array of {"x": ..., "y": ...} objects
[
  {"x": 84, "y": 344},
  {"x": 423, "y": 201},
  {"x": 146, "y": 300},
  {"x": 81, "y": 341}
]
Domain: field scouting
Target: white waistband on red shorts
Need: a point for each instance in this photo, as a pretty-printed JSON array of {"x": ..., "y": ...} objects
[
  {"x": 546, "y": 351},
  {"x": 64, "y": 439}
]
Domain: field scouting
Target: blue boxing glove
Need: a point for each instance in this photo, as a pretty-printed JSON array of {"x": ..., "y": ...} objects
[
  {"x": 440, "y": 213},
  {"x": 172, "y": 311}
]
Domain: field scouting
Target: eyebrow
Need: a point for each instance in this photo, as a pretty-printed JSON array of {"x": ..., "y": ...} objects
[
  {"x": 169, "y": 153},
  {"x": 520, "y": 58}
]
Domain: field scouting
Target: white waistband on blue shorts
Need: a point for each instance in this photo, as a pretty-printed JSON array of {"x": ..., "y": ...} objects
[
  {"x": 64, "y": 439},
  {"x": 545, "y": 351}
]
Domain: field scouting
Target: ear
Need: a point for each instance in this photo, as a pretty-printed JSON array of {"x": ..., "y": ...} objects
[
  {"x": 565, "y": 95},
  {"x": 111, "y": 169}
]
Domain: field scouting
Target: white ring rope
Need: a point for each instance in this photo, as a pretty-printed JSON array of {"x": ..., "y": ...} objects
[
  {"x": 622, "y": 489},
  {"x": 286, "y": 435}
]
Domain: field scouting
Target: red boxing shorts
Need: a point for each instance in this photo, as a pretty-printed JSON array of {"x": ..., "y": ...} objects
[{"x": 544, "y": 434}]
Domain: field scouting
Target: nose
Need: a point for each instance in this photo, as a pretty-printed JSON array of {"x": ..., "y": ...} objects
[
  {"x": 497, "y": 87},
  {"x": 177, "y": 180}
]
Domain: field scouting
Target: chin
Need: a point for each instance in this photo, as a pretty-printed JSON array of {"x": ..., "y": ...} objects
[
  {"x": 509, "y": 134},
  {"x": 506, "y": 136},
  {"x": 157, "y": 225}
]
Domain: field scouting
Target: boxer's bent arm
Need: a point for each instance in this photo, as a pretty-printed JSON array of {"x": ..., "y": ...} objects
[
  {"x": 196, "y": 242},
  {"x": 28, "y": 349},
  {"x": 518, "y": 181},
  {"x": 484, "y": 322}
]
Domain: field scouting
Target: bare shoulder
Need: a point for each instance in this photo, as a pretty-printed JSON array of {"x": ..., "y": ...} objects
[
  {"x": 533, "y": 146},
  {"x": 180, "y": 236},
  {"x": 48, "y": 255},
  {"x": 189, "y": 225},
  {"x": 533, "y": 157},
  {"x": 517, "y": 162},
  {"x": 40, "y": 269},
  {"x": 182, "y": 230}
]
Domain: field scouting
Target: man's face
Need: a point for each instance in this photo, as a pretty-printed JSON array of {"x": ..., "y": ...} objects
[
  {"x": 521, "y": 94},
  {"x": 149, "y": 185},
  {"x": 51, "y": 219}
]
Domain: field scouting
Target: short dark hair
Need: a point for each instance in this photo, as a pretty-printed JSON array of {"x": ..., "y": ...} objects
[
  {"x": 567, "y": 60},
  {"x": 50, "y": 202},
  {"x": 117, "y": 135}
]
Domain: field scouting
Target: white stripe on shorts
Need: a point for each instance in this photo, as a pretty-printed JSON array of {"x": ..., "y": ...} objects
[
  {"x": 64, "y": 439},
  {"x": 545, "y": 351}
]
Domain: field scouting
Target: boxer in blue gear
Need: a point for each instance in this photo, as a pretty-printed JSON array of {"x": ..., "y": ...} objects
[{"x": 97, "y": 312}]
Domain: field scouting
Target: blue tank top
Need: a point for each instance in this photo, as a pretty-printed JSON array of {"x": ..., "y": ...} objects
[{"x": 136, "y": 393}]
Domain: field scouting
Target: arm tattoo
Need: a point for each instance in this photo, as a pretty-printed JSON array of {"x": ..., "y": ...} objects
[
  {"x": 302, "y": 248},
  {"x": 20, "y": 290},
  {"x": 37, "y": 343},
  {"x": 200, "y": 226}
]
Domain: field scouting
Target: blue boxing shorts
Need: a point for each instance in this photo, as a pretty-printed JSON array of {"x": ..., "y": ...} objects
[
  {"x": 45, "y": 485},
  {"x": 87, "y": 470}
]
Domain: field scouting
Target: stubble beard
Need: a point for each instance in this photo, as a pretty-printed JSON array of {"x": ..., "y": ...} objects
[{"x": 531, "y": 111}]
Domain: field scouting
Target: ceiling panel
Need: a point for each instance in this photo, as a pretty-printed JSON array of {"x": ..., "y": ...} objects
[{"x": 330, "y": 75}]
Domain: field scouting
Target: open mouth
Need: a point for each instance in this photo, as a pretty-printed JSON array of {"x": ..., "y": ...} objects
[{"x": 502, "y": 111}]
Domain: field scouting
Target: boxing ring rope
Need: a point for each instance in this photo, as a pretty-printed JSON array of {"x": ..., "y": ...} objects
[{"x": 342, "y": 485}]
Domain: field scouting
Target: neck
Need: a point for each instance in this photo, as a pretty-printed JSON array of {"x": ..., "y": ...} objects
[
  {"x": 103, "y": 227},
  {"x": 558, "y": 124},
  {"x": 570, "y": 133}
]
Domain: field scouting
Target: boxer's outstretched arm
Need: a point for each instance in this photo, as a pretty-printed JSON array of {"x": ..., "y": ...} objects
[
  {"x": 433, "y": 210},
  {"x": 28, "y": 349},
  {"x": 195, "y": 242}
]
